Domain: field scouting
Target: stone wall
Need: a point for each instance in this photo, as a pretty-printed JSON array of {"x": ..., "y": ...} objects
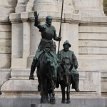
[
  {"x": 84, "y": 26},
  {"x": 6, "y": 7},
  {"x": 89, "y": 8}
]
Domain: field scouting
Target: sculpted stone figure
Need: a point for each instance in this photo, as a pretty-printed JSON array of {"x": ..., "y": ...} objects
[
  {"x": 67, "y": 73},
  {"x": 46, "y": 59}
]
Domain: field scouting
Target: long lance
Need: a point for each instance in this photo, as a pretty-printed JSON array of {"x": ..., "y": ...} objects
[{"x": 60, "y": 30}]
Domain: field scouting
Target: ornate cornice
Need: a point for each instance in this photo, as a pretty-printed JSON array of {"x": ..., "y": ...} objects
[{"x": 29, "y": 16}]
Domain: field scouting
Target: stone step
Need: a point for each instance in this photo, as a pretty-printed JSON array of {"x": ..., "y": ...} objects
[
  {"x": 57, "y": 93},
  {"x": 31, "y": 87},
  {"x": 76, "y": 101}
]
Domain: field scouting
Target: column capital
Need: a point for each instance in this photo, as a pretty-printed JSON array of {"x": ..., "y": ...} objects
[
  {"x": 15, "y": 18},
  {"x": 24, "y": 16}
]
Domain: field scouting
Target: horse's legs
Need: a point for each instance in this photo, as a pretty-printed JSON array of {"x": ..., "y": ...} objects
[
  {"x": 44, "y": 91},
  {"x": 63, "y": 93},
  {"x": 68, "y": 94},
  {"x": 51, "y": 91}
]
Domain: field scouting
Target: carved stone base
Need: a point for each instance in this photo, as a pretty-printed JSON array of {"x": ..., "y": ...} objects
[{"x": 35, "y": 102}]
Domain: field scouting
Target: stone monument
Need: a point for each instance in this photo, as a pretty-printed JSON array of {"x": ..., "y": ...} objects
[{"x": 84, "y": 25}]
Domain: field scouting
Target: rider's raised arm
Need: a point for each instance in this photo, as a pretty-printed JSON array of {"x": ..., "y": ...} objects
[
  {"x": 37, "y": 22},
  {"x": 36, "y": 15}
]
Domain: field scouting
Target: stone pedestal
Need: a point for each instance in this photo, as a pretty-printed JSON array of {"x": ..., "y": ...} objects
[
  {"x": 84, "y": 25},
  {"x": 24, "y": 46},
  {"x": 6, "y": 7},
  {"x": 5, "y": 74},
  {"x": 92, "y": 49},
  {"x": 35, "y": 102}
]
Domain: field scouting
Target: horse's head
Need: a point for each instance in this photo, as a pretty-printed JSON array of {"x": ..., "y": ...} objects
[{"x": 44, "y": 59}]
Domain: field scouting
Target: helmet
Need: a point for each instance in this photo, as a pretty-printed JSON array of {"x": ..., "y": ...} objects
[
  {"x": 67, "y": 42},
  {"x": 48, "y": 17}
]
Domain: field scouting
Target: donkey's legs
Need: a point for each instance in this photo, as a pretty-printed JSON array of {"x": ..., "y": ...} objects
[
  {"x": 68, "y": 94},
  {"x": 63, "y": 93},
  {"x": 52, "y": 98}
]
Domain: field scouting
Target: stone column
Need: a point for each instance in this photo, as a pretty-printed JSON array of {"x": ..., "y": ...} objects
[
  {"x": 17, "y": 40},
  {"x": 89, "y": 8},
  {"x": 20, "y": 40},
  {"x": 21, "y": 6},
  {"x": 26, "y": 36}
]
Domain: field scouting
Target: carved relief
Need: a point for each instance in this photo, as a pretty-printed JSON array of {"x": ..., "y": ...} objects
[
  {"x": 6, "y": 7},
  {"x": 21, "y": 6},
  {"x": 89, "y": 8}
]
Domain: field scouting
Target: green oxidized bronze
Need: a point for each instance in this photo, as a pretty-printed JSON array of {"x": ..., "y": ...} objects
[
  {"x": 68, "y": 54},
  {"x": 67, "y": 73},
  {"x": 46, "y": 60}
]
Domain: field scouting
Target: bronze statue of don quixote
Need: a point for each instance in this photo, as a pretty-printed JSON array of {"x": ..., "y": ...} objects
[{"x": 54, "y": 69}]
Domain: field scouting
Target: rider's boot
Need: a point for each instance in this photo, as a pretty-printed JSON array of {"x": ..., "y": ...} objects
[{"x": 33, "y": 66}]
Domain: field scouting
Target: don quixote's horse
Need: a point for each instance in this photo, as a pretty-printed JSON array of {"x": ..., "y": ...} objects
[{"x": 46, "y": 77}]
